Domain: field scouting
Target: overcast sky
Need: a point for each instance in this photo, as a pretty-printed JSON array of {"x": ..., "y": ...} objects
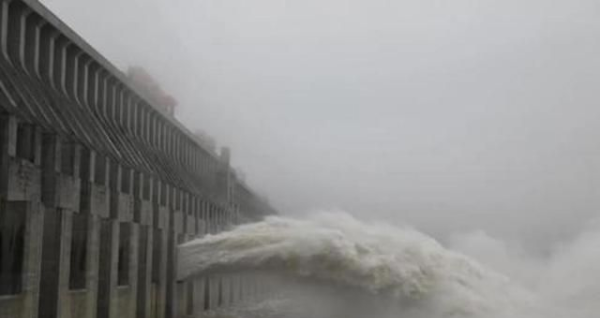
[{"x": 449, "y": 115}]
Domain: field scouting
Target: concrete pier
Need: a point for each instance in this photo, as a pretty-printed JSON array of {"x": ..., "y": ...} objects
[{"x": 98, "y": 186}]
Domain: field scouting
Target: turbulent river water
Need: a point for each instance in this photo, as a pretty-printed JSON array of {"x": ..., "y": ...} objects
[{"x": 335, "y": 266}]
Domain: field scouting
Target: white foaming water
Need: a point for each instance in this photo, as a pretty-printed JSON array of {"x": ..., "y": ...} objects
[{"x": 400, "y": 271}]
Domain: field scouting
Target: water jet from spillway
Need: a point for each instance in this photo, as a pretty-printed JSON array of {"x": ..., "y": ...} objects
[{"x": 341, "y": 263}]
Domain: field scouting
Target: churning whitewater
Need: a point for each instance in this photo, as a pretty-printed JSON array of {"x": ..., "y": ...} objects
[{"x": 333, "y": 258}]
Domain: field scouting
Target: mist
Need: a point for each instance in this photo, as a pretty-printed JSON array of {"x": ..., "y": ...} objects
[
  {"x": 454, "y": 117},
  {"x": 331, "y": 264}
]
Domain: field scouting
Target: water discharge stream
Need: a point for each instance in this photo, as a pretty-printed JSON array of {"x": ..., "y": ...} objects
[{"x": 340, "y": 267}]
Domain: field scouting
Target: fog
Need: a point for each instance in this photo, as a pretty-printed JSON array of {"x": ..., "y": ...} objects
[{"x": 452, "y": 116}]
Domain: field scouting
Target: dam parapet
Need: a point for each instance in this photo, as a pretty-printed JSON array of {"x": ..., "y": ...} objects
[{"x": 98, "y": 185}]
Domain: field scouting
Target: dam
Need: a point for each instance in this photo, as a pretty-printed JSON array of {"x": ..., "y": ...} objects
[{"x": 99, "y": 184}]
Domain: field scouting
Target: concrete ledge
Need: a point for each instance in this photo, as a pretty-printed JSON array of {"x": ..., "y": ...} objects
[
  {"x": 69, "y": 192},
  {"x": 145, "y": 211},
  {"x": 11, "y": 306},
  {"x": 125, "y": 206},
  {"x": 162, "y": 217},
  {"x": 24, "y": 180},
  {"x": 126, "y": 303},
  {"x": 77, "y": 304},
  {"x": 99, "y": 201}
]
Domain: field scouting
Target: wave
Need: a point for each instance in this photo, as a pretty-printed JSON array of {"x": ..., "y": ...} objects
[{"x": 399, "y": 264}]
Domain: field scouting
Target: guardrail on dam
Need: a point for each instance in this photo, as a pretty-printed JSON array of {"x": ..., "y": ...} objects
[{"x": 98, "y": 186}]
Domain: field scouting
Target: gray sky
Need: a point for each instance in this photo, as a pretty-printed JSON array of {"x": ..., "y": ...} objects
[{"x": 449, "y": 115}]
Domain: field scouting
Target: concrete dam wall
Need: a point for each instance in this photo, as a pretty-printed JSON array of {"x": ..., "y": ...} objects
[{"x": 98, "y": 185}]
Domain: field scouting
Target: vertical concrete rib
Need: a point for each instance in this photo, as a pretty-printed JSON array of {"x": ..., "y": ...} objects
[
  {"x": 15, "y": 31},
  {"x": 4, "y": 6},
  {"x": 29, "y": 42}
]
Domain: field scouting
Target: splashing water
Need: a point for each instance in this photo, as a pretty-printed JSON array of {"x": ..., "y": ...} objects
[{"x": 377, "y": 270}]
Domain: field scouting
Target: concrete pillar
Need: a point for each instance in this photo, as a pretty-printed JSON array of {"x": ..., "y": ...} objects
[
  {"x": 158, "y": 281},
  {"x": 128, "y": 295},
  {"x": 199, "y": 296},
  {"x": 170, "y": 293},
  {"x": 64, "y": 297},
  {"x": 52, "y": 263},
  {"x": 51, "y": 165},
  {"x": 160, "y": 242},
  {"x": 33, "y": 255},
  {"x": 93, "y": 261},
  {"x": 107, "y": 270},
  {"x": 144, "y": 273},
  {"x": 114, "y": 186},
  {"x": 8, "y": 148},
  {"x": 190, "y": 295},
  {"x": 234, "y": 289},
  {"x": 93, "y": 204},
  {"x": 215, "y": 299},
  {"x": 226, "y": 290}
]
